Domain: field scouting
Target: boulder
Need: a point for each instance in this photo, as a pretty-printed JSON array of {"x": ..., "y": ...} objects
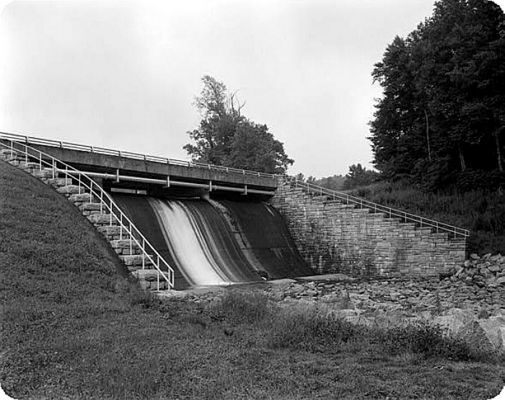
[
  {"x": 454, "y": 319},
  {"x": 485, "y": 334},
  {"x": 494, "y": 329}
]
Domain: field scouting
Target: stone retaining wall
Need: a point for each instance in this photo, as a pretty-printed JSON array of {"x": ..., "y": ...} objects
[{"x": 335, "y": 237}]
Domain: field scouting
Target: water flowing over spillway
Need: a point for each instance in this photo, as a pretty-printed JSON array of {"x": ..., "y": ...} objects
[{"x": 216, "y": 242}]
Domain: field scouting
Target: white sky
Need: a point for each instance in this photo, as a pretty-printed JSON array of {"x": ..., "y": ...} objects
[{"x": 124, "y": 74}]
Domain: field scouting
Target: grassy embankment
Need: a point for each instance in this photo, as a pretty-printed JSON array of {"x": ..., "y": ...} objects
[
  {"x": 481, "y": 211},
  {"x": 73, "y": 326}
]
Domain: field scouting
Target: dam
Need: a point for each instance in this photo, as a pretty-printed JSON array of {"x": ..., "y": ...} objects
[
  {"x": 216, "y": 242},
  {"x": 178, "y": 224}
]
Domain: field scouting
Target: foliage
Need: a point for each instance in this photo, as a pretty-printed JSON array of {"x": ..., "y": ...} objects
[
  {"x": 480, "y": 211},
  {"x": 444, "y": 96},
  {"x": 225, "y": 137},
  {"x": 425, "y": 339},
  {"x": 335, "y": 182},
  {"x": 359, "y": 176},
  {"x": 311, "y": 330},
  {"x": 241, "y": 307}
]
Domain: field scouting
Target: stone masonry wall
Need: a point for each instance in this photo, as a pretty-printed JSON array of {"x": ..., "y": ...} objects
[{"x": 335, "y": 237}]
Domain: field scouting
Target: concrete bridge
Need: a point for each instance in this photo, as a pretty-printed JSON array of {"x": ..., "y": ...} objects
[{"x": 127, "y": 170}]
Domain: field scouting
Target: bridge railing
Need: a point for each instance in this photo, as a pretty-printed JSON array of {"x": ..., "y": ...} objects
[
  {"x": 127, "y": 154},
  {"x": 375, "y": 207},
  {"x": 107, "y": 205}
]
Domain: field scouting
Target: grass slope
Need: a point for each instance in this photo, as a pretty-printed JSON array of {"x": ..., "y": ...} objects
[{"x": 74, "y": 327}]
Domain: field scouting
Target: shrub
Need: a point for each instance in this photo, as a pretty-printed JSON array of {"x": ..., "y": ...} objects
[
  {"x": 137, "y": 296},
  {"x": 425, "y": 339},
  {"x": 309, "y": 329},
  {"x": 240, "y": 307}
]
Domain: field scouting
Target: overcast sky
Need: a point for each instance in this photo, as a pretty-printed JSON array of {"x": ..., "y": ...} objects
[{"x": 124, "y": 74}]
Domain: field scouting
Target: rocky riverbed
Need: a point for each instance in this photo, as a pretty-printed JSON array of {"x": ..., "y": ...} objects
[{"x": 469, "y": 301}]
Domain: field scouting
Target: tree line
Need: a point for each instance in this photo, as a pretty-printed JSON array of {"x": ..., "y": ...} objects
[{"x": 441, "y": 119}]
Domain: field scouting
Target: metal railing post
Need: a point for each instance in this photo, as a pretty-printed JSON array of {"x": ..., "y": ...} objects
[
  {"x": 131, "y": 238},
  {"x": 143, "y": 254}
]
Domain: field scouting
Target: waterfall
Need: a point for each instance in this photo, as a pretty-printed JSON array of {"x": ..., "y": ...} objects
[{"x": 216, "y": 242}]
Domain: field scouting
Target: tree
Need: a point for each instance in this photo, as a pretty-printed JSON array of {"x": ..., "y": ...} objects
[
  {"x": 359, "y": 176},
  {"x": 444, "y": 95},
  {"x": 225, "y": 137}
]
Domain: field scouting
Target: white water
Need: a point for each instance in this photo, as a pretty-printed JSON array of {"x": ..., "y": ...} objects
[{"x": 187, "y": 244}]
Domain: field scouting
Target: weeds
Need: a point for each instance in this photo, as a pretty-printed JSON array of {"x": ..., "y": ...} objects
[
  {"x": 309, "y": 329},
  {"x": 480, "y": 211},
  {"x": 313, "y": 330},
  {"x": 238, "y": 307},
  {"x": 424, "y": 339}
]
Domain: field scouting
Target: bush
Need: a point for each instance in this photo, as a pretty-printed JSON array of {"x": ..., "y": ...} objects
[
  {"x": 240, "y": 307},
  {"x": 311, "y": 330},
  {"x": 427, "y": 340}
]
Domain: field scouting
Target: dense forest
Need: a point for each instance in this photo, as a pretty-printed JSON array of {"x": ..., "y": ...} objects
[{"x": 441, "y": 120}]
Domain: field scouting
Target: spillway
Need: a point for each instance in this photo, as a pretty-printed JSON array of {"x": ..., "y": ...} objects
[{"x": 210, "y": 242}]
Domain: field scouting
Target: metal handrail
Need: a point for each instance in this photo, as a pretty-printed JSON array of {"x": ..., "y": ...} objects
[
  {"x": 105, "y": 201},
  {"x": 362, "y": 203},
  {"x": 128, "y": 154}
]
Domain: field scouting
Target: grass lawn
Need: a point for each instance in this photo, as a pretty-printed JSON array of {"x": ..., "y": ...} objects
[{"x": 74, "y": 326}]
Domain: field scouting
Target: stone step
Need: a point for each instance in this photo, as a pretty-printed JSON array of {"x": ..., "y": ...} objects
[
  {"x": 113, "y": 230},
  {"x": 29, "y": 165},
  {"x": 102, "y": 219},
  {"x": 14, "y": 159},
  {"x": 80, "y": 198},
  {"x": 148, "y": 279},
  {"x": 44, "y": 173},
  {"x": 6, "y": 152},
  {"x": 70, "y": 189},
  {"x": 59, "y": 182},
  {"x": 135, "y": 260},
  {"x": 90, "y": 207},
  {"x": 125, "y": 247}
]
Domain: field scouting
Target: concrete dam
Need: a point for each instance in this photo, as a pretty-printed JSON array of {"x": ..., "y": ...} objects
[
  {"x": 177, "y": 224},
  {"x": 210, "y": 242}
]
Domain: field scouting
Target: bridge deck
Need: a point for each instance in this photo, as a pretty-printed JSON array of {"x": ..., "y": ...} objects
[{"x": 95, "y": 159}]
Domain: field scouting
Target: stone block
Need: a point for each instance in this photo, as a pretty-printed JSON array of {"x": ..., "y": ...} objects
[
  {"x": 135, "y": 260},
  {"x": 70, "y": 189},
  {"x": 90, "y": 207},
  {"x": 150, "y": 275},
  {"x": 83, "y": 197},
  {"x": 102, "y": 219}
]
